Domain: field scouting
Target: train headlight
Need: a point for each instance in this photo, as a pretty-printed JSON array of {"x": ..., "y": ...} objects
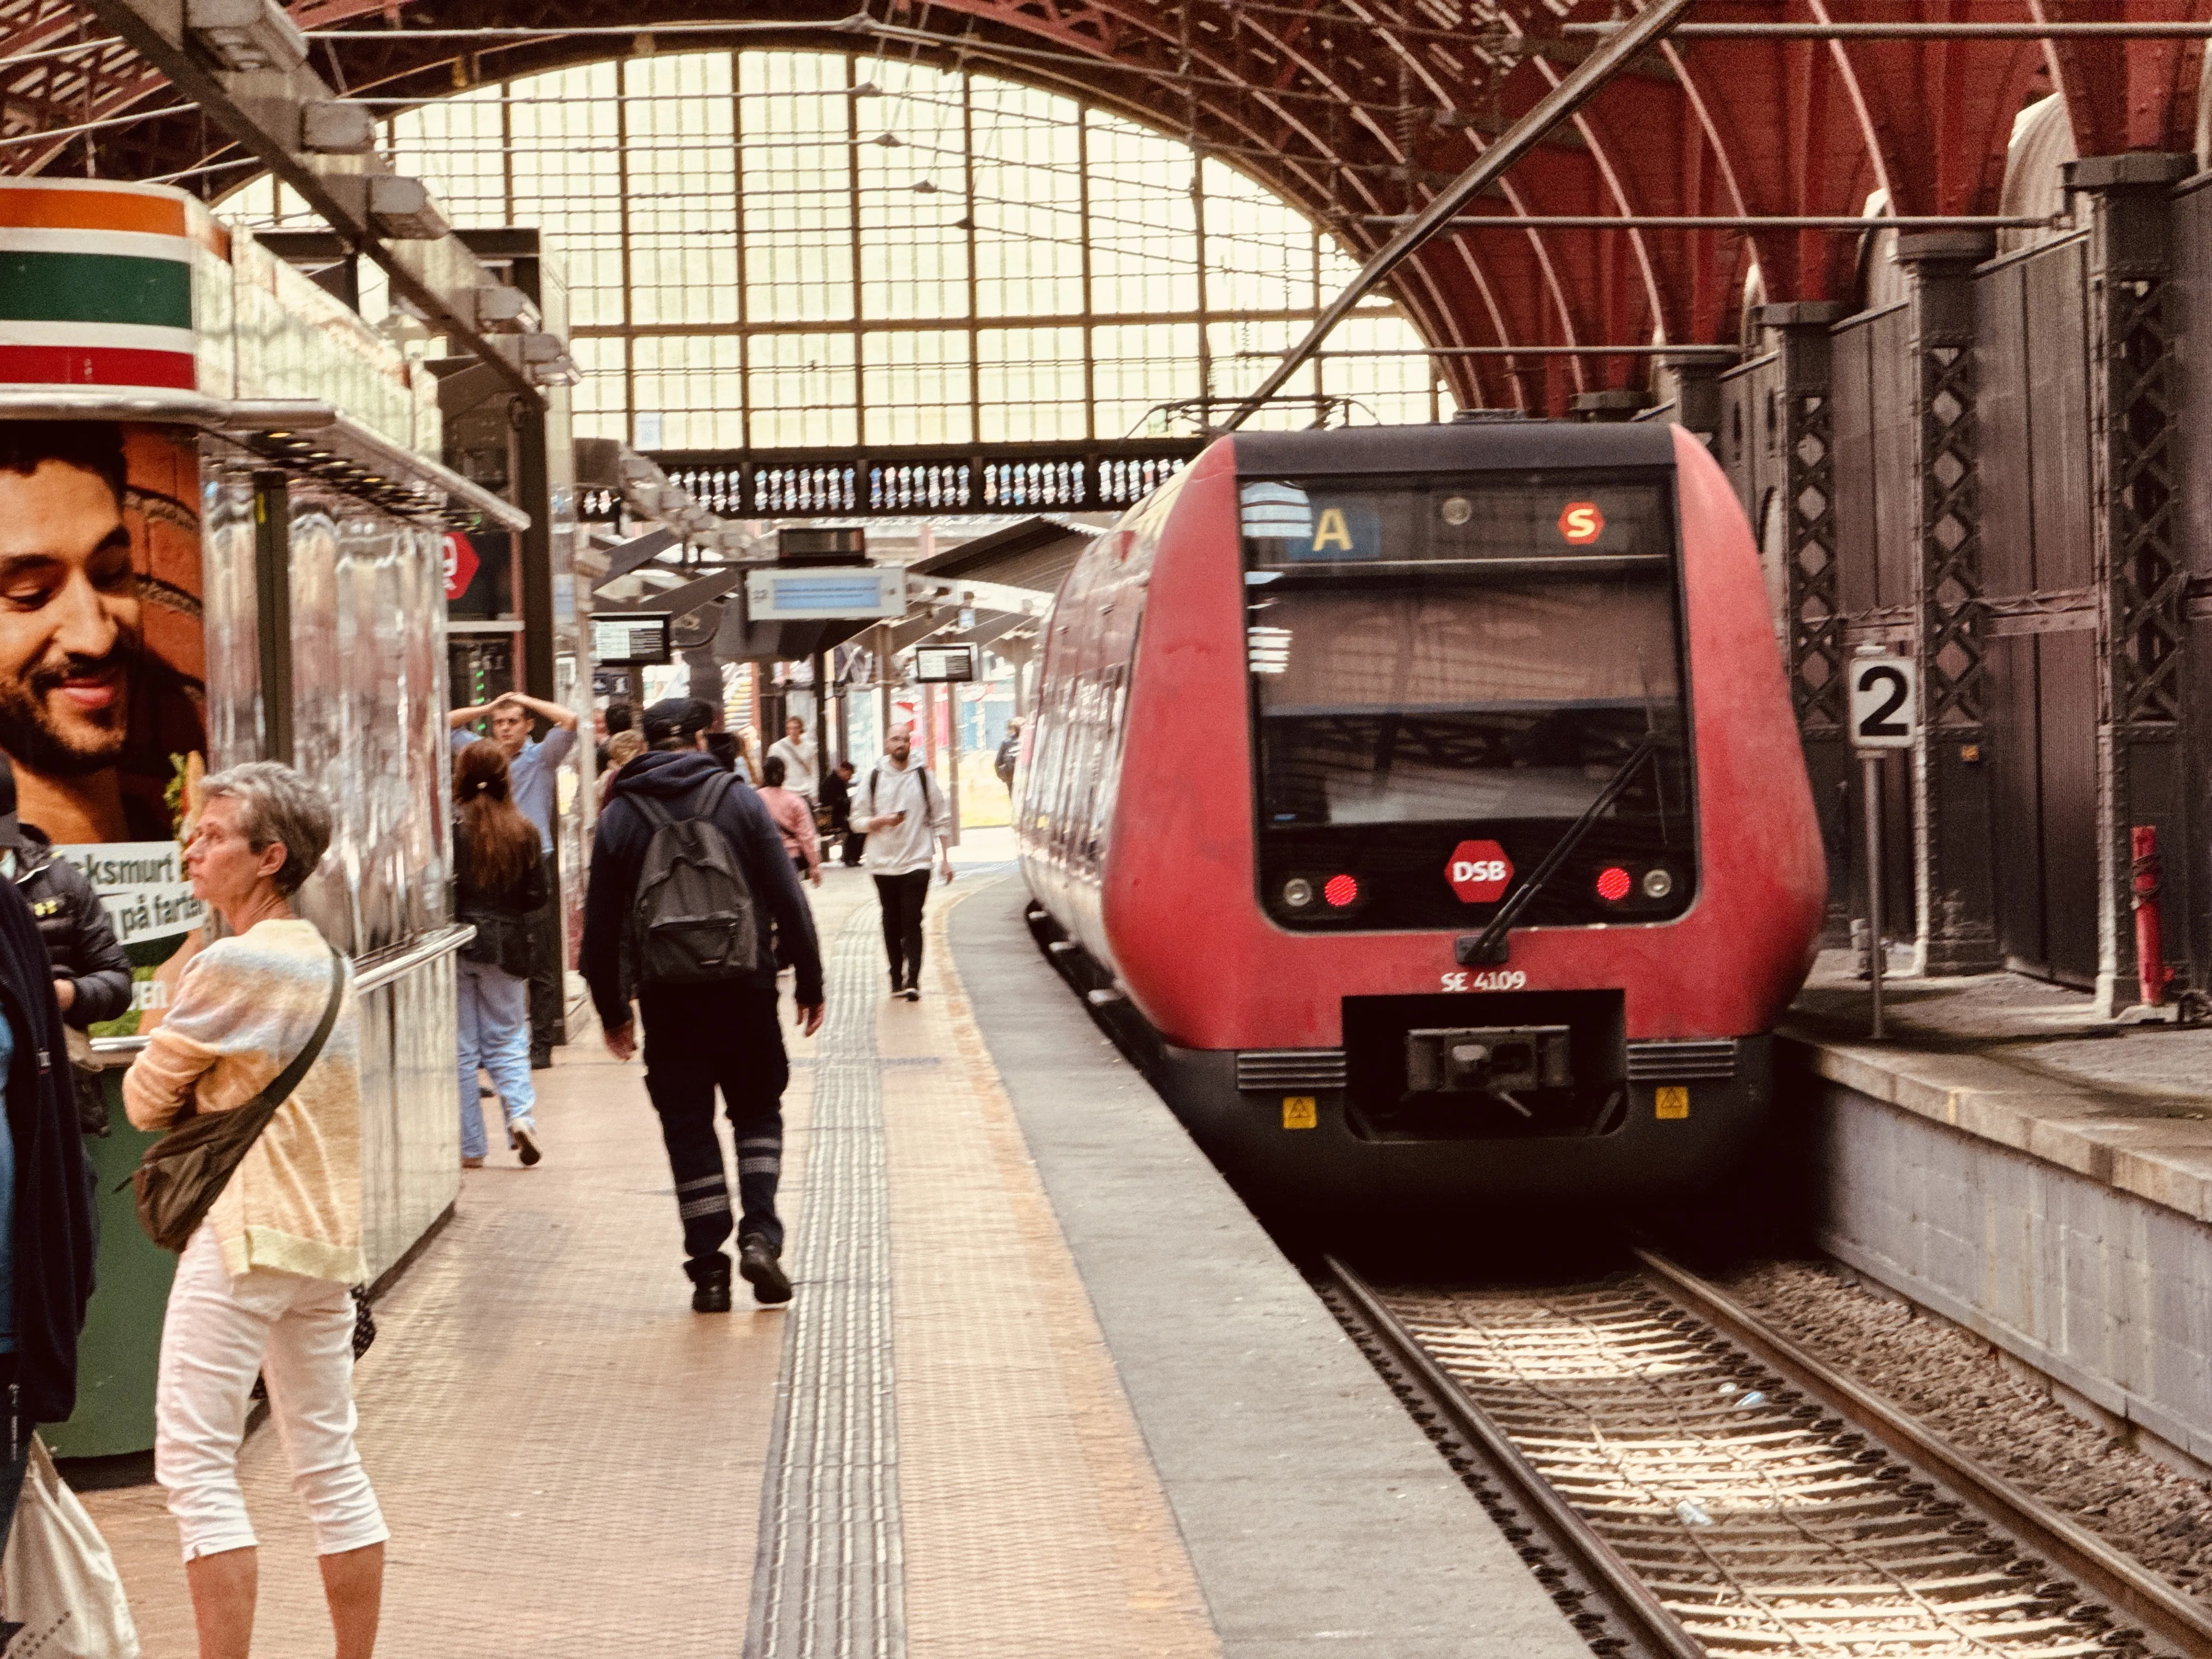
[
  {"x": 1457, "y": 510},
  {"x": 1298, "y": 892},
  {"x": 1657, "y": 884}
]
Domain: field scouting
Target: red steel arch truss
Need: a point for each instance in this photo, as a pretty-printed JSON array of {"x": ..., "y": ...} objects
[{"x": 1354, "y": 109}]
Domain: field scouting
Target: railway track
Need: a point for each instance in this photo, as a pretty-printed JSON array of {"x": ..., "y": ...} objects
[{"x": 1689, "y": 1482}]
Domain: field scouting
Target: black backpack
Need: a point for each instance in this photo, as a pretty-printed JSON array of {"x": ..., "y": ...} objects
[{"x": 693, "y": 922}]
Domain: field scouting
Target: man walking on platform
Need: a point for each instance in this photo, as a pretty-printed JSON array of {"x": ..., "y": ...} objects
[
  {"x": 802, "y": 769},
  {"x": 680, "y": 838},
  {"x": 530, "y": 765},
  {"x": 902, "y": 812}
]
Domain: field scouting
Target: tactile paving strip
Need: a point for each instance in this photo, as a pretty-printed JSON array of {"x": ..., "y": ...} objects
[{"x": 829, "y": 1582}]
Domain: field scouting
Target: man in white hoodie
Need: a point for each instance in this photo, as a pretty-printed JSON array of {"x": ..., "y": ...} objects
[{"x": 899, "y": 807}]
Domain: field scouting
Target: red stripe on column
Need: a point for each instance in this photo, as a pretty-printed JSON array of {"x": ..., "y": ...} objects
[{"x": 45, "y": 365}]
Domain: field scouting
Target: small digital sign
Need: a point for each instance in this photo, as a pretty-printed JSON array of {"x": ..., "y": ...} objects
[
  {"x": 939, "y": 665},
  {"x": 639, "y": 639},
  {"x": 825, "y": 594}
]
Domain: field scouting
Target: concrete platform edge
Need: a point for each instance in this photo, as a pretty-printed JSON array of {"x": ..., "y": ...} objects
[
  {"x": 1317, "y": 1516},
  {"x": 2163, "y": 1161},
  {"x": 2106, "y": 1294}
]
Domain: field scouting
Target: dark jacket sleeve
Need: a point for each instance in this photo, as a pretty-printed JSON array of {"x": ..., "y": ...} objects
[
  {"x": 767, "y": 867},
  {"x": 54, "y": 1225},
  {"x": 91, "y": 958},
  {"x": 615, "y": 853}
]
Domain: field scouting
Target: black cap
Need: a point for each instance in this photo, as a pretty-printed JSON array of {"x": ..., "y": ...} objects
[{"x": 676, "y": 717}]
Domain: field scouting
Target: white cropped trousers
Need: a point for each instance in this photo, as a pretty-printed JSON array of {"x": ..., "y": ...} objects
[{"x": 298, "y": 1334}]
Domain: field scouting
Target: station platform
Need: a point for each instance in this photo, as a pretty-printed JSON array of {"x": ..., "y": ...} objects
[
  {"x": 1045, "y": 1388},
  {"x": 2034, "y": 1172}
]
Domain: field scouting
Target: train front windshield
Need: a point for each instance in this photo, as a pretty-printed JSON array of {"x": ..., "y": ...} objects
[{"x": 1447, "y": 675}]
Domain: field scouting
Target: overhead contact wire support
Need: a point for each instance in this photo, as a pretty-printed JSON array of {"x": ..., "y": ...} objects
[{"x": 1638, "y": 35}]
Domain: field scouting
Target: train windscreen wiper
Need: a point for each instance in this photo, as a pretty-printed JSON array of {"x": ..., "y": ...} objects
[{"x": 1489, "y": 948}]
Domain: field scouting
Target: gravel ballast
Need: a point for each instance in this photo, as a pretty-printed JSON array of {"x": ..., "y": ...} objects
[{"x": 1954, "y": 1382}]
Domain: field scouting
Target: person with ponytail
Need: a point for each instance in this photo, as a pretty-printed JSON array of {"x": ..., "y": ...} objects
[{"x": 499, "y": 880}]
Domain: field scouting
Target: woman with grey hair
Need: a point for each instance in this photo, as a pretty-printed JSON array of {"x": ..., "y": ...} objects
[{"x": 263, "y": 1286}]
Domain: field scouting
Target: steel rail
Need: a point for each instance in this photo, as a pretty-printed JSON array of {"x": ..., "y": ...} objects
[
  {"x": 2085, "y": 30},
  {"x": 1575, "y": 89},
  {"x": 2074, "y": 1550},
  {"x": 1630, "y": 1599}
]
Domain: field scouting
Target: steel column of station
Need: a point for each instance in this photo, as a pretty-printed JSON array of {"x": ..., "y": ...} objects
[
  {"x": 1954, "y": 865},
  {"x": 1813, "y": 602},
  {"x": 2140, "y": 579}
]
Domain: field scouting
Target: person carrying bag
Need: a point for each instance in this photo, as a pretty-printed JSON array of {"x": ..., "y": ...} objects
[
  {"x": 258, "y": 1055},
  {"x": 183, "y": 1173}
]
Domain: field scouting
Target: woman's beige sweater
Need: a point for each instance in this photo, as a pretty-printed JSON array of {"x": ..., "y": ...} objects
[{"x": 244, "y": 1007}]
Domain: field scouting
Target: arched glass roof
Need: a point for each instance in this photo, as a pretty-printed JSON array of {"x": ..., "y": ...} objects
[{"x": 775, "y": 249}]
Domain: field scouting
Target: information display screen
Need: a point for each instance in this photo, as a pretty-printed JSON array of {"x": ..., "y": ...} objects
[
  {"x": 1442, "y": 520},
  {"x": 631, "y": 641},
  {"x": 937, "y": 663}
]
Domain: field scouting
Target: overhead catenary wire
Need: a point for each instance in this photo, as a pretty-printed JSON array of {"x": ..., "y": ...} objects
[{"x": 1571, "y": 92}]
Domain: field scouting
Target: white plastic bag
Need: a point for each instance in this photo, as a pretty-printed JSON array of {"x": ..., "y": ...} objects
[{"x": 57, "y": 1580}]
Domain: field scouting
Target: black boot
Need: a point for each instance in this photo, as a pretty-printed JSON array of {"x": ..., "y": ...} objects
[
  {"x": 756, "y": 1261},
  {"x": 710, "y": 1285}
]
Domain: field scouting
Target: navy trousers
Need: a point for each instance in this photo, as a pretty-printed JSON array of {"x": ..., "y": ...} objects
[{"x": 699, "y": 1038}]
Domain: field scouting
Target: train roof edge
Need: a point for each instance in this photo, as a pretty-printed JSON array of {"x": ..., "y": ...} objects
[{"x": 1481, "y": 446}]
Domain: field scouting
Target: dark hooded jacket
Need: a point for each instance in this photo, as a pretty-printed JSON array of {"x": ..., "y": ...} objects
[
  {"x": 674, "y": 777},
  {"x": 53, "y": 1182},
  {"x": 73, "y": 926}
]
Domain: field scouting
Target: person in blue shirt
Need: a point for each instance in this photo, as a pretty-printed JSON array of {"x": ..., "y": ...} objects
[{"x": 531, "y": 764}]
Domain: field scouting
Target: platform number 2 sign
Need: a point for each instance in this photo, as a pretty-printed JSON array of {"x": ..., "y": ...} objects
[{"x": 1884, "y": 714}]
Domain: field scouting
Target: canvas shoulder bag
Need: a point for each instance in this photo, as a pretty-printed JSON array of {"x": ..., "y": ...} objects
[{"x": 185, "y": 1171}]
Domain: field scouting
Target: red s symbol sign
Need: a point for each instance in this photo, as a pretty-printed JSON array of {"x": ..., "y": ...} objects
[{"x": 1580, "y": 523}]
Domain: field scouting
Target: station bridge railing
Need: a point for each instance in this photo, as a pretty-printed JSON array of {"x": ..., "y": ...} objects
[{"x": 904, "y": 482}]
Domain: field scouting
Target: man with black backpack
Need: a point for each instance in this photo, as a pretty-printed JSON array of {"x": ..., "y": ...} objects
[{"x": 687, "y": 872}]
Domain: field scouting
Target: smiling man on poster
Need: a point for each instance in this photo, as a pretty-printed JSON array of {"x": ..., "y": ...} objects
[{"x": 71, "y": 639}]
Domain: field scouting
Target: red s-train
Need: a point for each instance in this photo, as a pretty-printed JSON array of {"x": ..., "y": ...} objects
[{"x": 1318, "y": 711}]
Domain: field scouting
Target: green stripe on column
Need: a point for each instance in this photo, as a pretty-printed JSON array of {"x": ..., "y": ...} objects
[{"x": 94, "y": 288}]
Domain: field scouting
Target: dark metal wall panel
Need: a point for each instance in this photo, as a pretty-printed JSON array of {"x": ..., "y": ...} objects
[
  {"x": 2067, "y": 716},
  {"x": 1896, "y": 442},
  {"x": 1856, "y": 529},
  {"x": 2188, "y": 868},
  {"x": 2016, "y": 791},
  {"x": 2055, "y": 347},
  {"x": 2000, "y": 325},
  {"x": 2032, "y": 411}
]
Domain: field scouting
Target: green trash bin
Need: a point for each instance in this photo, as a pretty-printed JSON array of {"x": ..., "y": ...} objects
[{"x": 121, "y": 1348}]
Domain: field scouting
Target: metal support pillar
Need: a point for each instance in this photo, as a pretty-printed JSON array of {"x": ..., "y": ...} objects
[
  {"x": 1813, "y": 601},
  {"x": 1692, "y": 382},
  {"x": 1953, "y": 874},
  {"x": 272, "y": 594},
  {"x": 2139, "y": 578}
]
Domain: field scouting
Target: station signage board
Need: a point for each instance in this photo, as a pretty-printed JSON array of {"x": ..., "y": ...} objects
[
  {"x": 826, "y": 593},
  {"x": 631, "y": 640},
  {"x": 940, "y": 665},
  {"x": 1885, "y": 713}
]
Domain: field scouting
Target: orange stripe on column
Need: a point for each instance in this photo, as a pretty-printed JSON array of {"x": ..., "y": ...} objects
[{"x": 90, "y": 210}]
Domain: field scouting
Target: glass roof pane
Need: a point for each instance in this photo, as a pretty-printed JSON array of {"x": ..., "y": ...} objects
[{"x": 763, "y": 247}]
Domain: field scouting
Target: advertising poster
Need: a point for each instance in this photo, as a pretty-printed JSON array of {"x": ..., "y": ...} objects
[{"x": 102, "y": 664}]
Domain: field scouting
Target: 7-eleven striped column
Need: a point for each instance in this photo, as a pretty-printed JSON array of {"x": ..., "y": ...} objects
[{"x": 97, "y": 283}]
